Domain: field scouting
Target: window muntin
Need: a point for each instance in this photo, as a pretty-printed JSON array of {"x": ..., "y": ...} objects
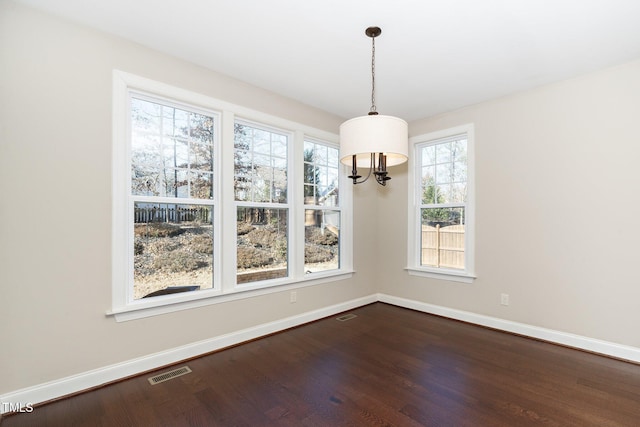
[
  {"x": 171, "y": 158},
  {"x": 322, "y": 207}
]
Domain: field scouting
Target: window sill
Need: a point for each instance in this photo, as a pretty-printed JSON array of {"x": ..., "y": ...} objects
[
  {"x": 442, "y": 274},
  {"x": 171, "y": 303}
]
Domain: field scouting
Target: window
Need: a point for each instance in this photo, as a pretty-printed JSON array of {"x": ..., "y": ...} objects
[
  {"x": 441, "y": 220},
  {"x": 172, "y": 176},
  {"x": 186, "y": 166},
  {"x": 321, "y": 207},
  {"x": 261, "y": 186}
]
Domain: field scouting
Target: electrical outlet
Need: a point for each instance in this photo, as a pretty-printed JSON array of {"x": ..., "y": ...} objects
[
  {"x": 504, "y": 299},
  {"x": 293, "y": 297}
]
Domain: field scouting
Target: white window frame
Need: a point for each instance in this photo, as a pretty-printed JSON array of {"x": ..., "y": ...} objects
[
  {"x": 414, "y": 224},
  {"x": 224, "y": 289},
  {"x": 213, "y": 203},
  {"x": 342, "y": 182},
  {"x": 288, "y": 205}
]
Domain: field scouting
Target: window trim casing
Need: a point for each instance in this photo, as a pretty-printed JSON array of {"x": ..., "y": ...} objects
[
  {"x": 225, "y": 289},
  {"x": 413, "y": 223}
]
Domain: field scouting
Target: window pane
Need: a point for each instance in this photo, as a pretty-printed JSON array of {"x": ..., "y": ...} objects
[
  {"x": 327, "y": 196},
  {"x": 146, "y": 116},
  {"x": 201, "y": 128},
  {"x": 459, "y": 172},
  {"x": 333, "y": 156},
  {"x": 458, "y": 193},
  {"x": 308, "y": 151},
  {"x": 310, "y": 174},
  {"x": 429, "y": 155},
  {"x": 261, "y": 161},
  {"x": 322, "y": 240},
  {"x": 173, "y": 248},
  {"x": 331, "y": 195},
  {"x": 262, "y": 252},
  {"x": 176, "y": 122},
  {"x": 201, "y": 156},
  {"x": 443, "y": 173},
  {"x": 242, "y": 137},
  {"x": 181, "y": 186},
  {"x": 429, "y": 192},
  {"x": 279, "y": 146},
  {"x": 443, "y": 193},
  {"x": 428, "y": 175},
  {"x": 459, "y": 150},
  {"x": 321, "y": 154},
  {"x": 442, "y": 237},
  {"x": 309, "y": 194},
  {"x": 261, "y": 145},
  {"x": 201, "y": 185},
  {"x": 443, "y": 152},
  {"x": 175, "y": 152}
]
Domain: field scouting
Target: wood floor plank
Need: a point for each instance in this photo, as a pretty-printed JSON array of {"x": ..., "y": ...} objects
[{"x": 388, "y": 366}]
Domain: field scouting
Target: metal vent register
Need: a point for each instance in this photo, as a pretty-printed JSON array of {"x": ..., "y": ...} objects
[
  {"x": 346, "y": 317},
  {"x": 169, "y": 375}
]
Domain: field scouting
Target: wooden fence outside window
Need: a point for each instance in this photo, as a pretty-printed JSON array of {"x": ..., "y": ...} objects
[{"x": 443, "y": 246}]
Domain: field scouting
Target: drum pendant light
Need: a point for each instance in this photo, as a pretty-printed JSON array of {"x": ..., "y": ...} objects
[{"x": 373, "y": 141}]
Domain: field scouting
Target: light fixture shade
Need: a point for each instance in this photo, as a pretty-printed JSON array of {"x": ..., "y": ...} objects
[{"x": 374, "y": 134}]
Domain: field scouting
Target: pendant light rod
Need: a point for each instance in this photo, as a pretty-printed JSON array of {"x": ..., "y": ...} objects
[{"x": 373, "y": 32}]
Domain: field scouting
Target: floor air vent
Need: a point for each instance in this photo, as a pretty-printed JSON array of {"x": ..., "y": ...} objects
[
  {"x": 169, "y": 375},
  {"x": 346, "y": 317}
]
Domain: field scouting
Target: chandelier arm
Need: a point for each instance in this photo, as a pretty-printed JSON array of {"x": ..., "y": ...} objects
[
  {"x": 381, "y": 171},
  {"x": 355, "y": 172}
]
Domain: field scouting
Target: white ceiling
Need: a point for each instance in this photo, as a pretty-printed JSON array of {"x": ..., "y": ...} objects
[{"x": 432, "y": 56}]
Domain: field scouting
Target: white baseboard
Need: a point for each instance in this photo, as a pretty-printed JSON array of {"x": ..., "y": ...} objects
[
  {"x": 86, "y": 380},
  {"x": 606, "y": 348}
]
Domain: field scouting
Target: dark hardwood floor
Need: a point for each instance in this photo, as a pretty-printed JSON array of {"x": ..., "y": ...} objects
[{"x": 387, "y": 366}]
